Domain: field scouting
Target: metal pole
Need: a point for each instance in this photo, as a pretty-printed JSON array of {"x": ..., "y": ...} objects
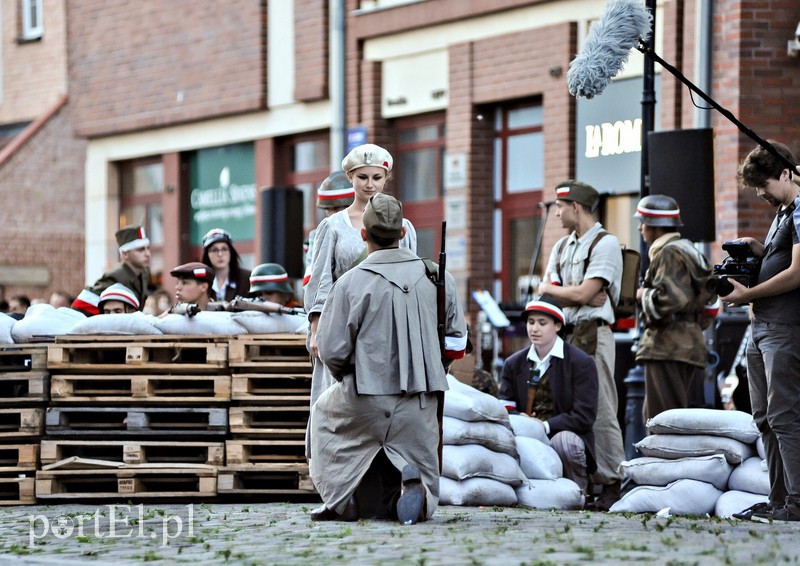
[
  {"x": 336, "y": 80},
  {"x": 634, "y": 382}
]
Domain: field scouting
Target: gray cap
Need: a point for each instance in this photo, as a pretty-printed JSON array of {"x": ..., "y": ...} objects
[
  {"x": 580, "y": 192},
  {"x": 383, "y": 217}
]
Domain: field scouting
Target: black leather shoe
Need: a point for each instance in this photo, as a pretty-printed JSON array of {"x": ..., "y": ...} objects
[
  {"x": 411, "y": 505},
  {"x": 325, "y": 514}
]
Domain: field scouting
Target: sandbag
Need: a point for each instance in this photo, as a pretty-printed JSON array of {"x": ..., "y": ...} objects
[
  {"x": 255, "y": 322},
  {"x": 673, "y": 446},
  {"x": 560, "y": 493},
  {"x": 493, "y": 436},
  {"x": 683, "y": 497},
  {"x": 750, "y": 476},
  {"x": 734, "y": 501},
  {"x": 474, "y": 461},
  {"x": 537, "y": 460},
  {"x": 482, "y": 406},
  {"x": 43, "y": 320},
  {"x": 474, "y": 408},
  {"x": 6, "y": 323},
  {"x": 220, "y": 323},
  {"x": 525, "y": 426},
  {"x": 713, "y": 469},
  {"x": 475, "y": 492},
  {"x": 715, "y": 422},
  {"x": 135, "y": 323}
]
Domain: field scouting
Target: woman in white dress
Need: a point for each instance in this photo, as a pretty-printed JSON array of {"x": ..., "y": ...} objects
[{"x": 338, "y": 244}]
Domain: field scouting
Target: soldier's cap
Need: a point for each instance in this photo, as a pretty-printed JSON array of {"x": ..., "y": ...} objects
[
  {"x": 383, "y": 217},
  {"x": 579, "y": 192},
  {"x": 367, "y": 155},
  {"x": 194, "y": 270},
  {"x": 216, "y": 235},
  {"x": 335, "y": 191},
  {"x": 118, "y": 292},
  {"x": 547, "y": 307},
  {"x": 131, "y": 238}
]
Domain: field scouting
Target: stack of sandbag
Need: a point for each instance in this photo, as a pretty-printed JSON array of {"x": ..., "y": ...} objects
[
  {"x": 689, "y": 457},
  {"x": 544, "y": 486},
  {"x": 748, "y": 485},
  {"x": 131, "y": 324},
  {"x": 479, "y": 454},
  {"x": 492, "y": 458}
]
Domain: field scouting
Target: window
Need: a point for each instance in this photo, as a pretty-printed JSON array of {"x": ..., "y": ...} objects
[
  {"x": 32, "y": 23},
  {"x": 419, "y": 176},
  {"x": 518, "y": 181},
  {"x": 308, "y": 164},
  {"x": 141, "y": 187}
]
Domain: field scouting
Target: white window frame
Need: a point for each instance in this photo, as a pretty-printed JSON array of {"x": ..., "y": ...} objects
[{"x": 32, "y": 28}]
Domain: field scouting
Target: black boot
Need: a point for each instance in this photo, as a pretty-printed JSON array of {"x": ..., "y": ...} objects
[{"x": 607, "y": 497}]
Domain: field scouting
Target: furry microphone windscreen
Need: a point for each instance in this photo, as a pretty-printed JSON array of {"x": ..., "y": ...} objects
[{"x": 607, "y": 46}]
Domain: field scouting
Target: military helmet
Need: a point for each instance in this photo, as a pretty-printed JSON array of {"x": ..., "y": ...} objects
[
  {"x": 336, "y": 191},
  {"x": 269, "y": 278},
  {"x": 658, "y": 210}
]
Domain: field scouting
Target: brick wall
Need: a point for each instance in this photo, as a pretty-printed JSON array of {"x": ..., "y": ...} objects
[
  {"x": 311, "y": 49},
  {"x": 758, "y": 83},
  {"x": 42, "y": 222},
  {"x": 27, "y": 94},
  {"x": 138, "y": 65}
]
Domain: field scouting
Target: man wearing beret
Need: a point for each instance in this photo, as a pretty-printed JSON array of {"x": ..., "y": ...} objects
[
  {"x": 586, "y": 283},
  {"x": 194, "y": 280},
  {"x": 374, "y": 433},
  {"x": 132, "y": 271}
]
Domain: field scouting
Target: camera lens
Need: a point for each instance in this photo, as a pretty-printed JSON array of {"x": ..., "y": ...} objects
[{"x": 720, "y": 286}]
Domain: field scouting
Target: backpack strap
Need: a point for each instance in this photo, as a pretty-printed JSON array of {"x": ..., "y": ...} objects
[{"x": 589, "y": 256}]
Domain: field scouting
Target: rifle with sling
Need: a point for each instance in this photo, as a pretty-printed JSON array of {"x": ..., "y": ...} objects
[
  {"x": 441, "y": 328},
  {"x": 238, "y": 304}
]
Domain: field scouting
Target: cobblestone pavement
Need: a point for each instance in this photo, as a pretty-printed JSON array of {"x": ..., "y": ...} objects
[{"x": 282, "y": 533}]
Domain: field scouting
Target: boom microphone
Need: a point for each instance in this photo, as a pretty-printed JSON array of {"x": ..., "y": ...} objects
[{"x": 623, "y": 24}]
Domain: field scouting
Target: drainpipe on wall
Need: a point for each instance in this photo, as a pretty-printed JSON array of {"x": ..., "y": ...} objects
[
  {"x": 704, "y": 42},
  {"x": 336, "y": 80}
]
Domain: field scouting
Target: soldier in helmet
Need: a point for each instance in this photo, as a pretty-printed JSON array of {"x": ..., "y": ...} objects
[
  {"x": 334, "y": 194},
  {"x": 673, "y": 300},
  {"x": 270, "y": 282}
]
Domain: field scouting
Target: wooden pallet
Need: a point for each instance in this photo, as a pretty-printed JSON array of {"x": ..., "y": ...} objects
[
  {"x": 277, "y": 421},
  {"x": 88, "y": 422},
  {"x": 27, "y": 386},
  {"x": 135, "y": 451},
  {"x": 14, "y": 357},
  {"x": 176, "y": 356},
  {"x": 125, "y": 388},
  {"x": 125, "y": 483},
  {"x": 270, "y": 352},
  {"x": 17, "y": 490},
  {"x": 21, "y": 422},
  {"x": 275, "y": 479},
  {"x": 258, "y": 452},
  {"x": 18, "y": 457},
  {"x": 271, "y": 389}
]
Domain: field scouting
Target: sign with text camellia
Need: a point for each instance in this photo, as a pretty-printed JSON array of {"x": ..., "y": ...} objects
[{"x": 223, "y": 192}]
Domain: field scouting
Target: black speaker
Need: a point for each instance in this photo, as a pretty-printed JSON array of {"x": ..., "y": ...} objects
[
  {"x": 682, "y": 167},
  {"x": 282, "y": 228}
]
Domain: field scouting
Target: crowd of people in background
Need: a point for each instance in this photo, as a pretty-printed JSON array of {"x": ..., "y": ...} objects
[{"x": 371, "y": 304}]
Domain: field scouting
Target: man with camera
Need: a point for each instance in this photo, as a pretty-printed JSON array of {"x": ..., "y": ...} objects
[
  {"x": 673, "y": 299},
  {"x": 773, "y": 353}
]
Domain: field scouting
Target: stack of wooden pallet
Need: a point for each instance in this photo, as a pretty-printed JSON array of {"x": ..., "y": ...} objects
[
  {"x": 270, "y": 392},
  {"x": 24, "y": 390},
  {"x": 134, "y": 417}
]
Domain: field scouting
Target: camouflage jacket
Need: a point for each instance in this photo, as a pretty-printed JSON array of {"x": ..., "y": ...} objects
[{"x": 673, "y": 301}]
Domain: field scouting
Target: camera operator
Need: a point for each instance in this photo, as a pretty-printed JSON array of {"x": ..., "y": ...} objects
[{"x": 773, "y": 353}]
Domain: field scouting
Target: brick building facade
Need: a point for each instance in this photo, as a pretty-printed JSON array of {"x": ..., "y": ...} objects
[{"x": 469, "y": 96}]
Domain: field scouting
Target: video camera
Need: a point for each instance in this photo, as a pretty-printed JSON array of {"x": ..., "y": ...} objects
[{"x": 741, "y": 265}]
